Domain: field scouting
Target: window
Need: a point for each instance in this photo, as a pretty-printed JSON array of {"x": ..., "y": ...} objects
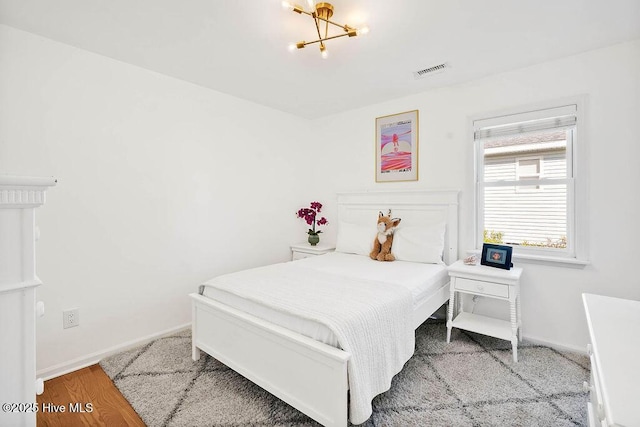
[{"x": 525, "y": 181}]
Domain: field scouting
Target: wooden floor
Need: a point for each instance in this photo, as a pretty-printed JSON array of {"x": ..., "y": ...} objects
[{"x": 74, "y": 391}]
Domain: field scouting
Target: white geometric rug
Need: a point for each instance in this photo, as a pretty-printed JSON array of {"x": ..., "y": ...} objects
[{"x": 472, "y": 381}]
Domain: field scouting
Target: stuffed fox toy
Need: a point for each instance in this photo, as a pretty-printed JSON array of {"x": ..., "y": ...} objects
[{"x": 382, "y": 244}]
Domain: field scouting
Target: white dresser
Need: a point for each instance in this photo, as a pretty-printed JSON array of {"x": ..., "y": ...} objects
[
  {"x": 614, "y": 388},
  {"x": 19, "y": 197}
]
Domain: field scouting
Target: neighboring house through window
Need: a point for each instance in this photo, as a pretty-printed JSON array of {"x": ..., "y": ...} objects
[
  {"x": 528, "y": 168},
  {"x": 525, "y": 180}
]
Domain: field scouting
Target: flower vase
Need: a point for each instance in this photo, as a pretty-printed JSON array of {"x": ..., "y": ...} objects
[{"x": 313, "y": 239}]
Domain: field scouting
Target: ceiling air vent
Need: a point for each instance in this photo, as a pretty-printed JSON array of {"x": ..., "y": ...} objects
[{"x": 420, "y": 74}]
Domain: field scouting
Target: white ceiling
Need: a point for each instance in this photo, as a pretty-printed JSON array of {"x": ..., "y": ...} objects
[{"x": 240, "y": 46}]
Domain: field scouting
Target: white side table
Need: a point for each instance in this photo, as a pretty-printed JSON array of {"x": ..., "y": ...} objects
[
  {"x": 492, "y": 283},
  {"x": 305, "y": 250}
]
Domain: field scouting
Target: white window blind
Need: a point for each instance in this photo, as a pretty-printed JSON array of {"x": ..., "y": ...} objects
[{"x": 535, "y": 121}]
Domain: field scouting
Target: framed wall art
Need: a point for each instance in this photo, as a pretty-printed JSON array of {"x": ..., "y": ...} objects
[{"x": 397, "y": 147}]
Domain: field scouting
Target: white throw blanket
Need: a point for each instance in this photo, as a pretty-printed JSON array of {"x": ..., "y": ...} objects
[{"x": 372, "y": 320}]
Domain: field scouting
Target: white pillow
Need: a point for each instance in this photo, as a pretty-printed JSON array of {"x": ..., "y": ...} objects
[
  {"x": 419, "y": 244},
  {"x": 355, "y": 239}
]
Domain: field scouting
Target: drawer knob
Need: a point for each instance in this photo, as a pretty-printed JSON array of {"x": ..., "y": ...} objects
[
  {"x": 586, "y": 387},
  {"x": 480, "y": 288}
]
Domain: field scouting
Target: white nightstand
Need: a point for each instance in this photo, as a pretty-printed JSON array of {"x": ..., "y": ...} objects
[
  {"x": 492, "y": 283},
  {"x": 305, "y": 250}
]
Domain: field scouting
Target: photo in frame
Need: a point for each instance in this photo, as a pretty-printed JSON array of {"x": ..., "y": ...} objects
[
  {"x": 397, "y": 147},
  {"x": 498, "y": 256}
]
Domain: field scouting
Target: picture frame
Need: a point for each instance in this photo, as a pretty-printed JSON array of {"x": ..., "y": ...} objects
[
  {"x": 397, "y": 147},
  {"x": 498, "y": 256}
]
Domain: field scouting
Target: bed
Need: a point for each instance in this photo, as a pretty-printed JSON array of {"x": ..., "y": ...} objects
[{"x": 287, "y": 351}]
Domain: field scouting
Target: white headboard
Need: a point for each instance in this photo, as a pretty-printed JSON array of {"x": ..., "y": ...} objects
[{"x": 414, "y": 207}]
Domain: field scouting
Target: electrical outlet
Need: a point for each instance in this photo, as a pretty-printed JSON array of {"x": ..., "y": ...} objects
[{"x": 70, "y": 318}]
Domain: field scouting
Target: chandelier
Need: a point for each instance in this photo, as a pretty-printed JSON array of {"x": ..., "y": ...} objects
[{"x": 321, "y": 14}]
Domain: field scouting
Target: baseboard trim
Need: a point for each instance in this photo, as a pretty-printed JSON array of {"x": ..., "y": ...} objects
[
  {"x": 555, "y": 345},
  {"x": 93, "y": 358}
]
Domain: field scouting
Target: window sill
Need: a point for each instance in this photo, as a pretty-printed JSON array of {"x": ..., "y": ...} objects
[{"x": 542, "y": 259}]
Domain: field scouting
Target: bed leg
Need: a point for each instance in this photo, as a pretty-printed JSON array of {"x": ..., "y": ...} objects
[{"x": 195, "y": 353}]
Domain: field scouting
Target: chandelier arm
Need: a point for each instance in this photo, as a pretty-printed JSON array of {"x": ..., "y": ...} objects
[
  {"x": 311, "y": 14},
  {"x": 333, "y": 23},
  {"x": 306, "y": 13},
  {"x": 326, "y": 28},
  {"x": 325, "y": 39},
  {"x": 315, "y": 19}
]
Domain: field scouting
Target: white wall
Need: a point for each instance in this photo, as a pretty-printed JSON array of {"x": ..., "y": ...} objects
[
  {"x": 552, "y": 307},
  {"x": 161, "y": 185}
]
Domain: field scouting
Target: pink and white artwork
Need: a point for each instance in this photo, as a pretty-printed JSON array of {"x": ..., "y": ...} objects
[{"x": 397, "y": 147}]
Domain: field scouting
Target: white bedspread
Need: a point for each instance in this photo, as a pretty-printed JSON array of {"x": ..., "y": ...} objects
[
  {"x": 420, "y": 278},
  {"x": 371, "y": 319}
]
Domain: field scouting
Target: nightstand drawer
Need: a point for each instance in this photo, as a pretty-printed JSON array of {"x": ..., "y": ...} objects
[{"x": 480, "y": 287}]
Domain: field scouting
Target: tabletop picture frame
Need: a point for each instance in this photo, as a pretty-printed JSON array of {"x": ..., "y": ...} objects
[
  {"x": 498, "y": 256},
  {"x": 397, "y": 147}
]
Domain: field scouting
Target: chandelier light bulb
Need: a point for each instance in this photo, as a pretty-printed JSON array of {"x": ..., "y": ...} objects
[
  {"x": 362, "y": 31},
  {"x": 292, "y": 47},
  {"x": 311, "y": 4},
  {"x": 324, "y": 54},
  {"x": 287, "y": 5}
]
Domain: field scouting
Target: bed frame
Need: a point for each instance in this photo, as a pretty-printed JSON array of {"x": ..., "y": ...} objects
[{"x": 309, "y": 375}]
